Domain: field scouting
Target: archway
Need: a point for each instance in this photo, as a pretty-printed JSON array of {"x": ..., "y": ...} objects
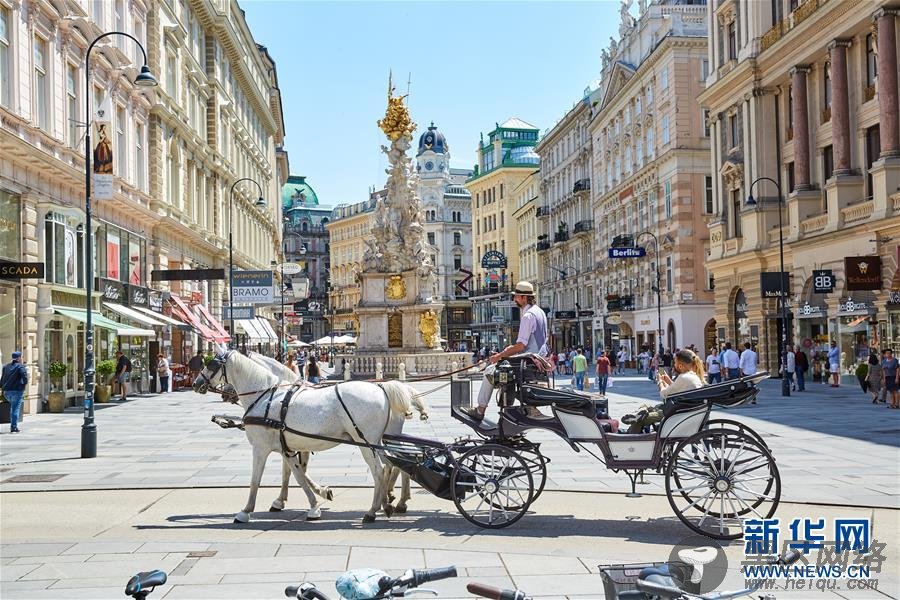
[{"x": 710, "y": 340}]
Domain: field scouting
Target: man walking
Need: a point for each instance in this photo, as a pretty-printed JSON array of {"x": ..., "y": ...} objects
[
  {"x": 123, "y": 368},
  {"x": 731, "y": 362},
  {"x": 13, "y": 383},
  {"x": 603, "y": 367},
  {"x": 713, "y": 367},
  {"x": 790, "y": 365},
  {"x": 579, "y": 363},
  {"x": 802, "y": 363},
  {"x": 748, "y": 363},
  {"x": 834, "y": 363}
]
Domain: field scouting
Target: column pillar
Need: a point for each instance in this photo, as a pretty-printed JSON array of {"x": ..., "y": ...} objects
[
  {"x": 801, "y": 127},
  {"x": 840, "y": 107},
  {"x": 887, "y": 83}
]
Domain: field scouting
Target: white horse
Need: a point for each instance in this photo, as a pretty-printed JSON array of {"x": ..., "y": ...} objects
[{"x": 354, "y": 411}]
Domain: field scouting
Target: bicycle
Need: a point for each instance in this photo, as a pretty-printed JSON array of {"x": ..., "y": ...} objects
[{"x": 361, "y": 584}]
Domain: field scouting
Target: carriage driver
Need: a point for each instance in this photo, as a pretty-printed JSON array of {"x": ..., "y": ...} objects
[{"x": 532, "y": 340}]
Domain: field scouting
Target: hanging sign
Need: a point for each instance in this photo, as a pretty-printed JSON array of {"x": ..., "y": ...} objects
[
  {"x": 773, "y": 286},
  {"x": 102, "y": 151},
  {"x": 863, "y": 272},
  {"x": 823, "y": 281},
  {"x": 137, "y": 295},
  {"x": 493, "y": 259},
  {"x": 112, "y": 290},
  {"x": 253, "y": 287}
]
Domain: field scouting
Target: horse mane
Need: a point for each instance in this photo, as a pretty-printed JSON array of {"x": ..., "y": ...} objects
[
  {"x": 274, "y": 366},
  {"x": 245, "y": 372}
]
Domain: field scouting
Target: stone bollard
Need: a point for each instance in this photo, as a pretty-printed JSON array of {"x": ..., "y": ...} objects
[
  {"x": 453, "y": 367},
  {"x": 379, "y": 371},
  {"x": 401, "y": 371},
  {"x": 347, "y": 371}
]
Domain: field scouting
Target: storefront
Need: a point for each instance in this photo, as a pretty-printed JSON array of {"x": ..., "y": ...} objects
[
  {"x": 741, "y": 332},
  {"x": 10, "y": 291},
  {"x": 856, "y": 326}
]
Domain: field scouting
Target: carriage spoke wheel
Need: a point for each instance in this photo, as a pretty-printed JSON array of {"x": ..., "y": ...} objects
[
  {"x": 717, "y": 477},
  {"x": 732, "y": 424},
  {"x": 492, "y": 486},
  {"x": 537, "y": 466}
]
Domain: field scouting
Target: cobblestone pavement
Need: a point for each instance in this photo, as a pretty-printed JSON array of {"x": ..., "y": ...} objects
[{"x": 167, "y": 482}]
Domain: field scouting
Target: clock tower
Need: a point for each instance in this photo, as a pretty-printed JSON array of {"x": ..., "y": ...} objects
[{"x": 433, "y": 155}]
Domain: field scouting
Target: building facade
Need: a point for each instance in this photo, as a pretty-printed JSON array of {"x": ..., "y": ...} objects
[
  {"x": 525, "y": 201},
  {"x": 650, "y": 181},
  {"x": 504, "y": 161},
  {"x": 348, "y": 231},
  {"x": 447, "y": 205},
  {"x": 176, "y": 149},
  {"x": 305, "y": 241},
  {"x": 805, "y": 94},
  {"x": 566, "y": 244}
]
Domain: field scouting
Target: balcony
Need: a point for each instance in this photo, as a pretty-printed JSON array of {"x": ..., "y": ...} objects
[
  {"x": 491, "y": 289},
  {"x": 585, "y": 226},
  {"x": 310, "y": 231},
  {"x": 542, "y": 211},
  {"x": 543, "y": 246},
  {"x": 560, "y": 236},
  {"x": 582, "y": 185}
]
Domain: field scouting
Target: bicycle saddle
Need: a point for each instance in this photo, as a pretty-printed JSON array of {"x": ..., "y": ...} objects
[{"x": 146, "y": 579}]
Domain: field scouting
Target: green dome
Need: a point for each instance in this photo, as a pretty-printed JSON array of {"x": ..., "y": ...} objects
[{"x": 297, "y": 193}]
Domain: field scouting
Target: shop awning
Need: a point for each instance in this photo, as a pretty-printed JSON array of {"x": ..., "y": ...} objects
[
  {"x": 266, "y": 328},
  {"x": 166, "y": 319},
  {"x": 133, "y": 314},
  {"x": 183, "y": 312},
  {"x": 251, "y": 328},
  {"x": 98, "y": 320},
  {"x": 215, "y": 326}
]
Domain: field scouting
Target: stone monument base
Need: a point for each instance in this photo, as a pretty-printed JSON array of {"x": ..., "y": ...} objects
[{"x": 363, "y": 364}]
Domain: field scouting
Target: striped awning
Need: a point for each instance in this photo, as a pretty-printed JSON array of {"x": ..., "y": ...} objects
[{"x": 98, "y": 320}]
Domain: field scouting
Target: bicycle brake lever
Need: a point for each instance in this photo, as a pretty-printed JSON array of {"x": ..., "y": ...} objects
[{"x": 419, "y": 591}]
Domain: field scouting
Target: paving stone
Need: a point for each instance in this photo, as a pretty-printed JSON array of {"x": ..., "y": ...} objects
[
  {"x": 34, "y": 549},
  {"x": 524, "y": 564}
]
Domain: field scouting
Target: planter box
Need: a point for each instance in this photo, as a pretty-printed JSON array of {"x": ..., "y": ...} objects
[
  {"x": 102, "y": 393},
  {"x": 56, "y": 401}
]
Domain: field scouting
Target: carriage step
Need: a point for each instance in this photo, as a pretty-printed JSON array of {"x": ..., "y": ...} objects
[{"x": 228, "y": 421}]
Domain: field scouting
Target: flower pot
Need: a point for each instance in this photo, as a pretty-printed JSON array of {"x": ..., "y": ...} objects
[
  {"x": 102, "y": 393},
  {"x": 57, "y": 401}
]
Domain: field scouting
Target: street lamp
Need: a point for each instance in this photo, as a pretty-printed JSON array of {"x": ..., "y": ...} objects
[
  {"x": 782, "y": 350},
  {"x": 657, "y": 289},
  {"x": 144, "y": 79},
  {"x": 260, "y": 202}
]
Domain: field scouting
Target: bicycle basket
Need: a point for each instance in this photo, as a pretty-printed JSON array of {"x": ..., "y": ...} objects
[{"x": 618, "y": 579}]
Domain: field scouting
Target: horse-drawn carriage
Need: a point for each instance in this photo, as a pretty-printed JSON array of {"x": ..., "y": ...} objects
[{"x": 717, "y": 471}]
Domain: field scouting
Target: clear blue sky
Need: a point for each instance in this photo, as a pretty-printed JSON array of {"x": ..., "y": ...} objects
[{"x": 472, "y": 64}]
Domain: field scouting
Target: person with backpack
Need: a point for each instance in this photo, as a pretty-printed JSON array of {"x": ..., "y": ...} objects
[
  {"x": 13, "y": 383},
  {"x": 123, "y": 368}
]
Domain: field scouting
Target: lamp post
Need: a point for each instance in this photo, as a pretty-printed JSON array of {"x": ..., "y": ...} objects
[
  {"x": 144, "y": 79},
  {"x": 260, "y": 202},
  {"x": 658, "y": 289},
  {"x": 782, "y": 347}
]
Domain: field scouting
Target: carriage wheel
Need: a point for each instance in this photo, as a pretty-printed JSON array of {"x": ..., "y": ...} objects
[
  {"x": 537, "y": 465},
  {"x": 717, "y": 477},
  {"x": 492, "y": 486}
]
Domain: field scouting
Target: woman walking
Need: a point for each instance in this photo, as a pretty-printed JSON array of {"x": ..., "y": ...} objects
[
  {"x": 312, "y": 370},
  {"x": 875, "y": 377}
]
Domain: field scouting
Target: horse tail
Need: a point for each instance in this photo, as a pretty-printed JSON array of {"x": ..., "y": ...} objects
[
  {"x": 418, "y": 402},
  {"x": 401, "y": 397}
]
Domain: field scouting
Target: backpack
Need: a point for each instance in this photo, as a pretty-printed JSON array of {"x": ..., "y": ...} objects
[{"x": 127, "y": 364}]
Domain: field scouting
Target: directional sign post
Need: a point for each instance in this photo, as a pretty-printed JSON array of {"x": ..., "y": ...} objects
[{"x": 637, "y": 252}]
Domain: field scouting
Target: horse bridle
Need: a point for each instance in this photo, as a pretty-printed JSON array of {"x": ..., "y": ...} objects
[{"x": 203, "y": 385}]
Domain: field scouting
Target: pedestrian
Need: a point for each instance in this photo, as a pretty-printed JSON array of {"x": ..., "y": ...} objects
[
  {"x": 13, "y": 383},
  {"x": 196, "y": 364},
  {"x": 731, "y": 362},
  {"x": 667, "y": 360},
  {"x": 613, "y": 360},
  {"x": 123, "y": 368},
  {"x": 312, "y": 370},
  {"x": 802, "y": 363},
  {"x": 561, "y": 362},
  {"x": 621, "y": 357},
  {"x": 713, "y": 367},
  {"x": 748, "y": 363},
  {"x": 654, "y": 366},
  {"x": 570, "y": 367},
  {"x": 690, "y": 374},
  {"x": 290, "y": 364},
  {"x": 301, "y": 363},
  {"x": 891, "y": 376},
  {"x": 875, "y": 376},
  {"x": 163, "y": 372},
  {"x": 579, "y": 363},
  {"x": 603, "y": 368},
  {"x": 834, "y": 363},
  {"x": 790, "y": 365}
]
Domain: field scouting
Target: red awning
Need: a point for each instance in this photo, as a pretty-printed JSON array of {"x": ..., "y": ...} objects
[
  {"x": 183, "y": 312},
  {"x": 221, "y": 334}
]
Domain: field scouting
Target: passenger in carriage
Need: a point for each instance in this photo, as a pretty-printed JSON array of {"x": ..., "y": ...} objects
[{"x": 690, "y": 374}]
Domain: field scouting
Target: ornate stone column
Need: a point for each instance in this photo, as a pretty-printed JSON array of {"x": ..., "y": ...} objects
[
  {"x": 840, "y": 107},
  {"x": 801, "y": 127},
  {"x": 887, "y": 82}
]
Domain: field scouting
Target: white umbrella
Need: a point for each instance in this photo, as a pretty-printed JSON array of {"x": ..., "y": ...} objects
[
  {"x": 345, "y": 339},
  {"x": 297, "y": 344}
]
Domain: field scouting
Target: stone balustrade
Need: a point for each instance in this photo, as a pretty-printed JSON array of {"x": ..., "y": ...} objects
[
  {"x": 857, "y": 212},
  {"x": 814, "y": 224},
  {"x": 363, "y": 365}
]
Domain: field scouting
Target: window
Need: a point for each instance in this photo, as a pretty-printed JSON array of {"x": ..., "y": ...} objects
[
  {"x": 827, "y": 163},
  {"x": 733, "y": 129},
  {"x": 72, "y": 104},
  {"x": 790, "y": 111},
  {"x": 709, "y": 194},
  {"x": 5, "y": 60},
  {"x": 649, "y": 94},
  {"x": 501, "y": 191},
  {"x": 670, "y": 284},
  {"x": 732, "y": 41},
  {"x": 501, "y": 218},
  {"x": 651, "y": 148},
  {"x": 139, "y": 156},
  {"x": 457, "y": 238},
  {"x": 431, "y": 238},
  {"x": 457, "y": 262},
  {"x": 665, "y": 129},
  {"x": 667, "y": 199},
  {"x": 826, "y": 81},
  {"x": 704, "y": 69},
  {"x": 122, "y": 166},
  {"x": 119, "y": 10},
  {"x": 790, "y": 174},
  {"x": 637, "y": 106},
  {"x": 871, "y": 60},
  {"x": 41, "y": 93},
  {"x": 664, "y": 79},
  {"x": 63, "y": 251},
  {"x": 873, "y": 145},
  {"x": 171, "y": 73}
]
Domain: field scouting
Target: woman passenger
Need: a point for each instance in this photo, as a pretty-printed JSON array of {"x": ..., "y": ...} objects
[{"x": 690, "y": 374}]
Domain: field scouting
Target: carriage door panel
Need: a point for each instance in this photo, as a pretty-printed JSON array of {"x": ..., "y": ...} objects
[
  {"x": 579, "y": 427},
  {"x": 683, "y": 424}
]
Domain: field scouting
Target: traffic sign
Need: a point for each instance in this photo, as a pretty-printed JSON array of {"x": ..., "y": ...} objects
[{"x": 637, "y": 252}]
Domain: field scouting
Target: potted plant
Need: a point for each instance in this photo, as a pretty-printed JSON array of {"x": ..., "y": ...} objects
[
  {"x": 862, "y": 370},
  {"x": 102, "y": 391},
  {"x": 57, "y": 396}
]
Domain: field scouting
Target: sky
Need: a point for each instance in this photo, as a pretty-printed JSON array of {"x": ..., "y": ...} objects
[{"x": 471, "y": 65}]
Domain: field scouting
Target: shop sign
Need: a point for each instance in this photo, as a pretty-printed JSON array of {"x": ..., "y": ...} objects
[
  {"x": 253, "y": 287},
  {"x": 585, "y": 313},
  {"x": 564, "y": 314},
  {"x": 21, "y": 270},
  {"x": 112, "y": 290},
  {"x": 137, "y": 295},
  {"x": 894, "y": 297},
  {"x": 240, "y": 312},
  {"x": 155, "y": 300},
  {"x": 823, "y": 281},
  {"x": 808, "y": 310},
  {"x": 863, "y": 272},
  {"x": 849, "y": 306},
  {"x": 614, "y": 319},
  {"x": 645, "y": 322},
  {"x": 493, "y": 259},
  {"x": 773, "y": 286}
]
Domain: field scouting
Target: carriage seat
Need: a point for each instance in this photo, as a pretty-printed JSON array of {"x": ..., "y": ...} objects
[
  {"x": 727, "y": 393},
  {"x": 533, "y": 395}
]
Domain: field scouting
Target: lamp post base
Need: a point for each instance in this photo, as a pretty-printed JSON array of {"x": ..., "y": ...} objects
[
  {"x": 785, "y": 385},
  {"x": 89, "y": 440}
]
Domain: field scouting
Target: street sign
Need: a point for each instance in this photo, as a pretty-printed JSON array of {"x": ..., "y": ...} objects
[
  {"x": 498, "y": 319},
  {"x": 240, "y": 312},
  {"x": 21, "y": 270},
  {"x": 627, "y": 252},
  {"x": 253, "y": 287},
  {"x": 504, "y": 304},
  {"x": 290, "y": 268}
]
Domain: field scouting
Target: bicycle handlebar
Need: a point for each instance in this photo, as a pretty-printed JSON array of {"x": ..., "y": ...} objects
[
  {"x": 304, "y": 590},
  {"x": 657, "y": 589},
  {"x": 420, "y": 576},
  {"x": 494, "y": 593}
]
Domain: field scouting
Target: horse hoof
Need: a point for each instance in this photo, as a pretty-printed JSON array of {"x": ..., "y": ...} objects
[
  {"x": 242, "y": 517},
  {"x": 391, "y": 497},
  {"x": 277, "y": 505},
  {"x": 329, "y": 495},
  {"x": 313, "y": 514},
  {"x": 388, "y": 510},
  {"x": 400, "y": 509},
  {"x": 368, "y": 518}
]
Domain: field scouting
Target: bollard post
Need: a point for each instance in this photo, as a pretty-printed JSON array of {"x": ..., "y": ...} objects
[
  {"x": 347, "y": 371},
  {"x": 453, "y": 367}
]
